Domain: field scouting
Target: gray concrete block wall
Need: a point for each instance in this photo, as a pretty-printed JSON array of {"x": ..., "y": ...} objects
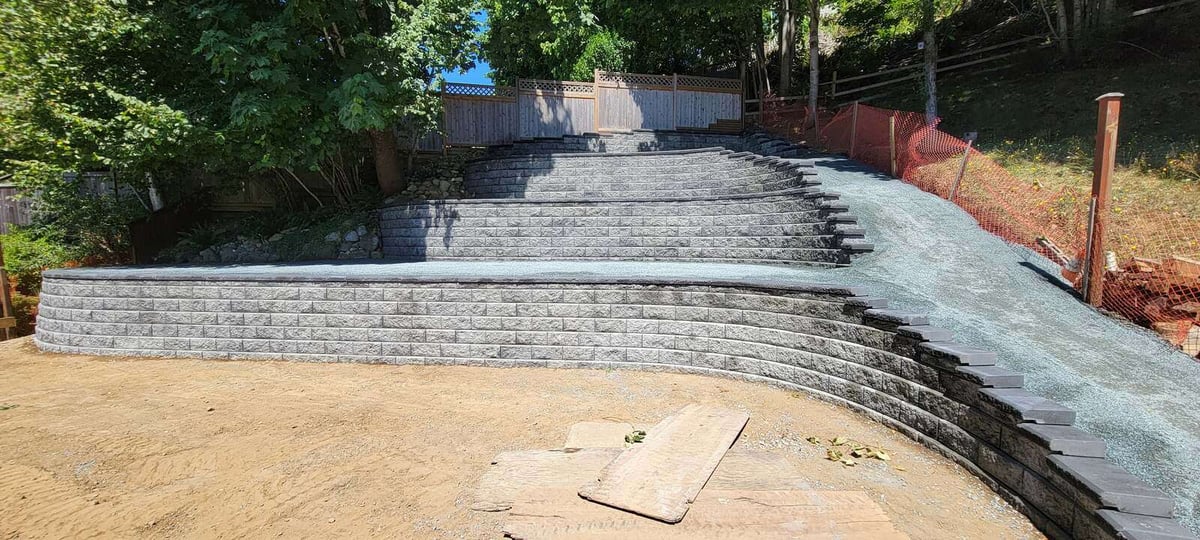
[
  {"x": 823, "y": 339},
  {"x": 797, "y": 226},
  {"x": 642, "y": 175}
]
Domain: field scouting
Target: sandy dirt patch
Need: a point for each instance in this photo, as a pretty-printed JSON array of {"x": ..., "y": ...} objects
[{"x": 95, "y": 446}]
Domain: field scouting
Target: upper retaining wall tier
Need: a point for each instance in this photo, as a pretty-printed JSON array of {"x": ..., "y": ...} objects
[
  {"x": 795, "y": 226},
  {"x": 646, "y": 141},
  {"x": 828, "y": 340},
  {"x": 683, "y": 173}
]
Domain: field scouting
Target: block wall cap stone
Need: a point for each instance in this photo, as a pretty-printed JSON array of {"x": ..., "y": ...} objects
[
  {"x": 1022, "y": 406},
  {"x": 1113, "y": 487}
]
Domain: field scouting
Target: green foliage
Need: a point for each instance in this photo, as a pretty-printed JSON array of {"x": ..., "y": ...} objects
[
  {"x": 25, "y": 311},
  {"x": 26, "y": 255},
  {"x": 303, "y": 80},
  {"x": 567, "y": 39}
]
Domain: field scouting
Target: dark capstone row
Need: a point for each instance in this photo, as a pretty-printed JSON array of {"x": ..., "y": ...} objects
[{"x": 830, "y": 340}]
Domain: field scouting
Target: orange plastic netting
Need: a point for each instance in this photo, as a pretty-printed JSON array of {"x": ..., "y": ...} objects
[{"x": 1153, "y": 268}]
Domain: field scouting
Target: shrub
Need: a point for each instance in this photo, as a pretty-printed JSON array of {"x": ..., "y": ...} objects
[{"x": 26, "y": 255}]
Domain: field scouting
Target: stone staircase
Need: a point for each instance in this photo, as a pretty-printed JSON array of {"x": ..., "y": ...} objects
[{"x": 712, "y": 204}]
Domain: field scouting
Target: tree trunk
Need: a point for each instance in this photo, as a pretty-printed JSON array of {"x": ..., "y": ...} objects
[
  {"x": 1077, "y": 25},
  {"x": 928, "y": 16},
  {"x": 387, "y": 161},
  {"x": 814, "y": 54},
  {"x": 787, "y": 45},
  {"x": 1064, "y": 29}
]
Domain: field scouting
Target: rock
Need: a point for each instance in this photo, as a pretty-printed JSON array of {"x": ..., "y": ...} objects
[
  {"x": 275, "y": 237},
  {"x": 362, "y": 230},
  {"x": 333, "y": 236},
  {"x": 351, "y": 236}
]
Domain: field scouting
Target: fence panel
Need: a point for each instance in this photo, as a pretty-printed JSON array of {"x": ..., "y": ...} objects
[
  {"x": 13, "y": 211},
  {"x": 702, "y": 101},
  {"x": 555, "y": 108},
  {"x": 479, "y": 114},
  {"x": 635, "y": 101}
]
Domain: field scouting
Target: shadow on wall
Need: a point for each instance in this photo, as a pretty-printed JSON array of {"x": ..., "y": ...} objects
[{"x": 412, "y": 242}]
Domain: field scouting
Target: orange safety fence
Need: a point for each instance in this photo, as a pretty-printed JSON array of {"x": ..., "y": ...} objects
[{"x": 1152, "y": 273}]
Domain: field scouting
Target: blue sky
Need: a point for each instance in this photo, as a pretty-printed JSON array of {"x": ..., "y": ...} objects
[{"x": 478, "y": 74}]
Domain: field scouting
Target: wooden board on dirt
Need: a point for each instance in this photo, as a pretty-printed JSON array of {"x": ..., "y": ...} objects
[
  {"x": 599, "y": 435},
  {"x": 727, "y": 514},
  {"x": 512, "y": 472},
  {"x": 662, "y": 476}
]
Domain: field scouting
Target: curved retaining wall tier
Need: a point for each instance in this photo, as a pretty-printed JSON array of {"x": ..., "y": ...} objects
[
  {"x": 831, "y": 341},
  {"x": 648, "y": 140},
  {"x": 795, "y": 226},
  {"x": 684, "y": 173}
]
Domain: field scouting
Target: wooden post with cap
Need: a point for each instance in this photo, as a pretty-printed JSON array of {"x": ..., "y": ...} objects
[{"x": 1102, "y": 170}]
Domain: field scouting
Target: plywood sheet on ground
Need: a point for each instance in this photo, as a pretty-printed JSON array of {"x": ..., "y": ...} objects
[
  {"x": 716, "y": 514},
  {"x": 599, "y": 435},
  {"x": 661, "y": 477},
  {"x": 512, "y": 472}
]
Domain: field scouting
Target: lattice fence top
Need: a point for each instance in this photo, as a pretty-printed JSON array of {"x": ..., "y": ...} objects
[
  {"x": 463, "y": 89},
  {"x": 710, "y": 82},
  {"x": 556, "y": 87},
  {"x": 634, "y": 79}
]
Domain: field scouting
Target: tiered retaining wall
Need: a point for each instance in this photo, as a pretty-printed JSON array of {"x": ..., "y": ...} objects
[
  {"x": 649, "y": 140},
  {"x": 683, "y": 173},
  {"x": 832, "y": 341},
  {"x": 796, "y": 226}
]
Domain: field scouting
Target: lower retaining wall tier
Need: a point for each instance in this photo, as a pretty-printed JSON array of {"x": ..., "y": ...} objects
[{"x": 831, "y": 341}]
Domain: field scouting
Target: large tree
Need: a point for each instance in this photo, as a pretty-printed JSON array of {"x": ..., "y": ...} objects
[
  {"x": 305, "y": 79},
  {"x": 567, "y": 39}
]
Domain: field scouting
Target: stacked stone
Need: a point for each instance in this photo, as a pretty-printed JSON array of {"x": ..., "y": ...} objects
[
  {"x": 833, "y": 341},
  {"x": 647, "y": 141},
  {"x": 705, "y": 204}
]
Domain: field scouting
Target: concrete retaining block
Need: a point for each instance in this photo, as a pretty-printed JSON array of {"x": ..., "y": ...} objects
[{"x": 830, "y": 340}]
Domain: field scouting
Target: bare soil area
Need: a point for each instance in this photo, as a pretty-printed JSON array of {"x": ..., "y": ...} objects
[{"x": 117, "y": 447}]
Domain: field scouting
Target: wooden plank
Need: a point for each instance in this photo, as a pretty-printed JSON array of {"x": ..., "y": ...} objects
[
  {"x": 555, "y": 513},
  {"x": 512, "y": 472},
  {"x": 8, "y": 322},
  {"x": 661, "y": 477}
]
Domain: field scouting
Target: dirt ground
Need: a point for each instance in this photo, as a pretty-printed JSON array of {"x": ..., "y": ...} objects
[{"x": 115, "y": 447}]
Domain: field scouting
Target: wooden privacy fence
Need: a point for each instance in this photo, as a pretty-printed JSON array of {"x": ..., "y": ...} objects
[
  {"x": 475, "y": 115},
  {"x": 13, "y": 211}
]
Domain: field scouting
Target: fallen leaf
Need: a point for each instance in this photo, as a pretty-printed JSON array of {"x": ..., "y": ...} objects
[
  {"x": 882, "y": 456},
  {"x": 849, "y": 462},
  {"x": 838, "y": 441},
  {"x": 833, "y": 455},
  {"x": 814, "y": 440}
]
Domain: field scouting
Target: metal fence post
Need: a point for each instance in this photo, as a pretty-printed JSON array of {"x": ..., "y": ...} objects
[{"x": 1102, "y": 169}]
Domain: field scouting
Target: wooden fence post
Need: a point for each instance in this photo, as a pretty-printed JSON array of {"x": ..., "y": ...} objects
[
  {"x": 853, "y": 128},
  {"x": 7, "y": 318},
  {"x": 1102, "y": 169},
  {"x": 596, "y": 101},
  {"x": 674, "y": 100},
  {"x": 892, "y": 141},
  {"x": 962, "y": 167},
  {"x": 833, "y": 88},
  {"x": 517, "y": 93}
]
